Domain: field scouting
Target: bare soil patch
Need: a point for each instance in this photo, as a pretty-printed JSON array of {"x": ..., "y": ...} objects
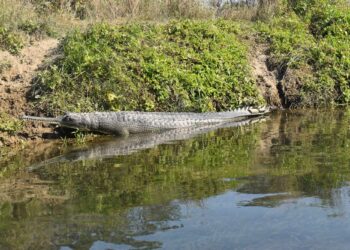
[
  {"x": 266, "y": 79},
  {"x": 16, "y": 74}
]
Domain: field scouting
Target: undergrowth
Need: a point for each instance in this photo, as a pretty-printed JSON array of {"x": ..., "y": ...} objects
[
  {"x": 312, "y": 41},
  {"x": 9, "y": 124},
  {"x": 36, "y": 19},
  {"x": 179, "y": 66},
  {"x": 10, "y": 40}
]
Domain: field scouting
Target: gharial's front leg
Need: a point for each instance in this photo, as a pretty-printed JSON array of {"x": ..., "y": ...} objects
[{"x": 124, "y": 132}]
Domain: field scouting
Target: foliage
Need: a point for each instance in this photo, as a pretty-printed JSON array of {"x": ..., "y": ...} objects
[
  {"x": 328, "y": 18},
  {"x": 301, "y": 7},
  {"x": 10, "y": 40},
  {"x": 290, "y": 51},
  {"x": 9, "y": 124},
  {"x": 289, "y": 39},
  {"x": 37, "y": 29},
  {"x": 183, "y": 65},
  {"x": 318, "y": 40}
]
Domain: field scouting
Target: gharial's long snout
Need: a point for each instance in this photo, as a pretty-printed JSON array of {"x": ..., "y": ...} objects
[{"x": 52, "y": 120}]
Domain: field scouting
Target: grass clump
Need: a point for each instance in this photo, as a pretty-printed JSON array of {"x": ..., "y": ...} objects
[
  {"x": 37, "y": 30},
  {"x": 9, "y": 124},
  {"x": 314, "y": 47},
  {"x": 330, "y": 26},
  {"x": 10, "y": 40},
  {"x": 179, "y": 66}
]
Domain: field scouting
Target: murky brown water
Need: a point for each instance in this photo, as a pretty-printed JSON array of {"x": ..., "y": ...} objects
[{"x": 278, "y": 184}]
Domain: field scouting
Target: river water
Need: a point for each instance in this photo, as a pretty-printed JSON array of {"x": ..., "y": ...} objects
[{"x": 282, "y": 183}]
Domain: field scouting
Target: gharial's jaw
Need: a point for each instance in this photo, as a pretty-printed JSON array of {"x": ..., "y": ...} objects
[{"x": 52, "y": 120}]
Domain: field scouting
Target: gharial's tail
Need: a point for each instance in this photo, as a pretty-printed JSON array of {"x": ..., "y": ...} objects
[{"x": 51, "y": 120}]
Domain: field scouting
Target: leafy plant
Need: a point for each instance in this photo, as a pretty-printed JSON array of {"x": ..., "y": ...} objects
[
  {"x": 9, "y": 124},
  {"x": 80, "y": 137},
  {"x": 10, "y": 41},
  {"x": 38, "y": 29},
  {"x": 182, "y": 65},
  {"x": 318, "y": 42}
]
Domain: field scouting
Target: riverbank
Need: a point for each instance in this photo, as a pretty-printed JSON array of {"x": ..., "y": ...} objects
[
  {"x": 15, "y": 82},
  {"x": 293, "y": 55}
]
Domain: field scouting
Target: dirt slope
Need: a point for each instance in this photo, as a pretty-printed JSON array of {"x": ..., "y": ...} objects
[
  {"x": 16, "y": 73},
  {"x": 266, "y": 80}
]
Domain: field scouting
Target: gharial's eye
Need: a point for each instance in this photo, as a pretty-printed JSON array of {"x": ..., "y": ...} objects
[{"x": 67, "y": 119}]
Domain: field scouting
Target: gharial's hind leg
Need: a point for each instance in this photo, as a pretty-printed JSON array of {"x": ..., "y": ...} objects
[{"x": 124, "y": 132}]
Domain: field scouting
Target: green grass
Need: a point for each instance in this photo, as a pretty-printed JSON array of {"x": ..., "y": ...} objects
[
  {"x": 315, "y": 47},
  {"x": 9, "y": 124},
  {"x": 10, "y": 40},
  {"x": 179, "y": 66}
]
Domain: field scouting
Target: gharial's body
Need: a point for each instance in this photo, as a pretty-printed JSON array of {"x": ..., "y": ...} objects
[{"x": 126, "y": 122}]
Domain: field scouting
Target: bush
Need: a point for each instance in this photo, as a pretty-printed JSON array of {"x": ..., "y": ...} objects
[
  {"x": 319, "y": 41},
  {"x": 10, "y": 41},
  {"x": 180, "y": 66},
  {"x": 289, "y": 40},
  {"x": 329, "y": 20},
  {"x": 36, "y": 29},
  {"x": 9, "y": 124},
  {"x": 331, "y": 27}
]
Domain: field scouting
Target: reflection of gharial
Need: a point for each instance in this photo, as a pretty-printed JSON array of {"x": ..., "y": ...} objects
[
  {"x": 133, "y": 143},
  {"x": 130, "y": 122}
]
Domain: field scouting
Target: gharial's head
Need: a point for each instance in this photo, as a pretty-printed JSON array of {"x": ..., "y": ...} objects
[{"x": 75, "y": 120}]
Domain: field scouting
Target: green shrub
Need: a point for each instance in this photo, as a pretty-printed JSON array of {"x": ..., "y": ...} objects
[
  {"x": 10, "y": 41},
  {"x": 187, "y": 66},
  {"x": 320, "y": 42},
  {"x": 301, "y": 7},
  {"x": 37, "y": 29},
  {"x": 289, "y": 40},
  {"x": 330, "y": 20},
  {"x": 9, "y": 124}
]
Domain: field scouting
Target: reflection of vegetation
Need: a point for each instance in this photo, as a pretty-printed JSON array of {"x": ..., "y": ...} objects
[
  {"x": 105, "y": 190},
  {"x": 291, "y": 155},
  {"x": 153, "y": 176},
  {"x": 309, "y": 155}
]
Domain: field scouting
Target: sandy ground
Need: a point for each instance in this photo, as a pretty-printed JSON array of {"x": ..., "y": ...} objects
[{"x": 15, "y": 82}]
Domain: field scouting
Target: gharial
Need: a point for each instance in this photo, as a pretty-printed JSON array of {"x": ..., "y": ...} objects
[
  {"x": 130, "y": 122},
  {"x": 127, "y": 145}
]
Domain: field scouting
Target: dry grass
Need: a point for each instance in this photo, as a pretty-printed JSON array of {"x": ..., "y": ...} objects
[
  {"x": 16, "y": 13},
  {"x": 57, "y": 17},
  {"x": 240, "y": 12},
  {"x": 146, "y": 10},
  {"x": 63, "y": 13}
]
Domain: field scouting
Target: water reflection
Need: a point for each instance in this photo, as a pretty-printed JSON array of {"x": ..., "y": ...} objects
[
  {"x": 116, "y": 146},
  {"x": 285, "y": 181}
]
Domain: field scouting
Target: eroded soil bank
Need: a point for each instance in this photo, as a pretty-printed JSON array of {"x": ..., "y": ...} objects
[{"x": 15, "y": 82}]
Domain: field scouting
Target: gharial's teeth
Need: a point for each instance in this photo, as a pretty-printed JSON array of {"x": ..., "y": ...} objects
[
  {"x": 254, "y": 110},
  {"x": 262, "y": 108}
]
